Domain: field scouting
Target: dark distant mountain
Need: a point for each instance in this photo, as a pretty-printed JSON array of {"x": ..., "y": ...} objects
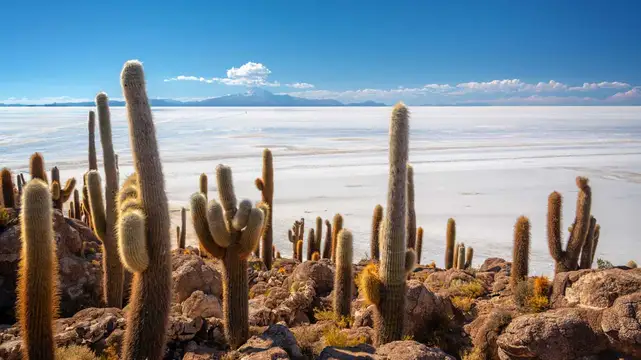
[{"x": 254, "y": 97}]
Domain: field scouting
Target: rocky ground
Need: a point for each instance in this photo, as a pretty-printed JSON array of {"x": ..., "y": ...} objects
[{"x": 450, "y": 314}]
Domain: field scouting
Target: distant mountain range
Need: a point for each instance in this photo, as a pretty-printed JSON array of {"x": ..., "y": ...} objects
[{"x": 254, "y": 97}]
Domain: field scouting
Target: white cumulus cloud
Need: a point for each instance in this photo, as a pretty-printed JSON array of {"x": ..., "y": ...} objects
[{"x": 301, "y": 85}]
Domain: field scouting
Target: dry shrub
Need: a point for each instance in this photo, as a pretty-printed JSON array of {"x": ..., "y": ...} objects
[
  {"x": 463, "y": 303},
  {"x": 531, "y": 295},
  {"x": 334, "y": 337},
  {"x": 75, "y": 352}
]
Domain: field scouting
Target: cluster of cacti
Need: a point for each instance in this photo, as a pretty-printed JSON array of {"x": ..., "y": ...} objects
[
  {"x": 377, "y": 218},
  {"x": 580, "y": 233},
  {"x": 38, "y": 271},
  {"x": 104, "y": 213},
  {"x": 385, "y": 288},
  {"x": 295, "y": 235},
  {"x": 521, "y": 251},
  {"x": 266, "y": 186},
  {"x": 230, "y": 233},
  {"x": 343, "y": 276},
  {"x": 144, "y": 224},
  {"x": 61, "y": 194},
  {"x": 8, "y": 191},
  {"x": 337, "y": 226},
  {"x": 450, "y": 242},
  {"x": 410, "y": 219},
  {"x": 181, "y": 231}
]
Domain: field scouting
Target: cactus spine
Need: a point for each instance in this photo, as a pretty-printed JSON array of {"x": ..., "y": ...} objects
[
  {"x": 8, "y": 198},
  {"x": 336, "y": 229},
  {"x": 419, "y": 244},
  {"x": 450, "y": 240},
  {"x": 104, "y": 219},
  {"x": 377, "y": 218},
  {"x": 37, "y": 299},
  {"x": 387, "y": 287},
  {"x": 181, "y": 233},
  {"x": 233, "y": 235},
  {"x": 410, "y": 220},
  {"x": 568, "y": 260},
  {"x": 521, "y": 251},
  {"x": 147, "y": 219},
  {"x": 93, "y": 160},
  {"x": 343, "y": 276},
  {"x": 327, "y": 246},
  {"x": 266, "y": 186}
]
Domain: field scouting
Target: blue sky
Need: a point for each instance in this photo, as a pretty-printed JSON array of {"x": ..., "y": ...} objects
[{"x": 422, "y": 52}]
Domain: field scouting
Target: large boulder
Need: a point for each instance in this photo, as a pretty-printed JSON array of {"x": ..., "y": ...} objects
[
  {"x": 563, "y": 334},
  {"x": 276, "y": 336},
  {"x": 203, "y": 305},
  {"x": 411, "y": 350},
  {"x": 191, "y": 273},
  {"x": 359, "y": 352},
  {"x": 485, "y": 330},
  {"x": 79, "y": 255},
  {"x": 594, "y": 288},
  {"x": 320, "y": 272},
  {"x": 621, "y": 323}
]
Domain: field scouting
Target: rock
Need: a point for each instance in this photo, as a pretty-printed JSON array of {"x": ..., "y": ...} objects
[
  {"x": 269, "y": 354},
  {"x": 411, "y": 350},
  {"x": 364, "y": 317},
  {"x": 276, "y": 336},
  {"x": 182, "y": 328},
  {"x": 191, "y": 273},
  {"x": 359, "y": 352},
  {"x": 621, "y": 323},
  {"x": 448, "y": 278},
  {"x": 484, "y": 331},
  {"x": 79, "y": 255},
  {"x": 493, "y": 265},
  {"x": 320, "y": 272},
  {"x": 203, "y": 305},
  {"x": 562, "y": 334},
  {"x": 425, "y": 311},
  {"x": 594, "y": 288}
]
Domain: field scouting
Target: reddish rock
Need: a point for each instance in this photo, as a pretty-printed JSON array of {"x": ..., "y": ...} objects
[
  {"x": 621, "y": 324},
  {"x": 594, "y": 288},
  {"x": 192, "y": 273},
  {"x": 411, "y": 350}
]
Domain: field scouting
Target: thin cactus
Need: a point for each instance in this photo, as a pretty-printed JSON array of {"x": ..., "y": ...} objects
[
  {"x": 386, "y": 287},
  {"x": 182, "y": 233},
  {"x": 148, "y": 224},
  {"x": 586, "y": 251},
  {"x": 8, "y": 196},
  {"x": 460, "y": 262},
  {"x": 337, "y": 226},
  {"x": 292, "y": 239},
  {"x": 419, "y": 244},
  {"x": 234, "y": 232},
  {"x": 311, "y": 239},
  {"x": 469, "y": 255},
  {"x": 318, "y": 233},
  {"x": 65, "y": 192},
  {"x": 568, "y": 260},
  {"x": 327, "y": 246},
  {"x": 521, "y": 251},
  {"x": 595, "y": 242},
  {"x": 37, "y": 273},
  {"x": 455, "y": 262},
  {"x": 105, "y": 217},
  {"x": 20, "y": 185},
  {"x": 299, "y": 251},
  {"x": 410, "y": 220},
  {"x": 93, "y": 159},
  {"x": 450, "y": 241},
  {"x": 265, "y": 185},
  {"x": 377, "y": 218},
  {"x": 203, "y": 184},
  {"x": 343, "y": 276},
  {"x": 76, "y": 204}
]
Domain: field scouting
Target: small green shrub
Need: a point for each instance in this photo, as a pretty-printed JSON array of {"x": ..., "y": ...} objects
[
  {"x": 334, "y": 337},
  {"x": 328, "y": 315},
  {"x": 471, "y": 289}
]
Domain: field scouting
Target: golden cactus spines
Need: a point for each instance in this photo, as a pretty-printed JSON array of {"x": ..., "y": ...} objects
[
  {"x": 343, "y": 276},
  {"x": 450, "y": 240},
  {"x": 337, "y": 226},
  {"x": 37, "y": 167},
  {"x": 145, "y": 336},
  {"x": 299, "y": 250},
  {"x": 521, "y": 251},
  {"x": 377, "y": 218},
  {"x": 37, "y": 273},
  {"x": 316, "y": 256}
]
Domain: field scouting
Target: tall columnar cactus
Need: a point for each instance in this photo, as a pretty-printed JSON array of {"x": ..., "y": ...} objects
[
  {"x": 8, "y": 197},
  {"x": 181, "y": 235},
  {"x": 377, "y": 218},
  {"x": 410, "y": 220},
  {"x": 343, "y": 276},
  {"x": 469, "y": 255},
  {"x": 585, "y": 261},
  {"x": 93, "y": 159},
  {"x": 105, "y": 217},
  {"x": 568, "y": 260},
  {"x": 266, "y": 186},
  {"x": 337, "y": 226},
  {"x": 291, "y": 236},
  {"x": 230, "y": 233},
  {"x": 327, "y": 246},
  {"x": 456, "y": 248},
  {"x": 65, "y": 192},
  {"x": 595, "y": 242},
  {"x": 521, "y": 251},
  {"x": 419, "y": 244},
  {"x": 450, "y": 240},
  {"x": 144, "y": 228},
  {"x": 37, "y": 167},
  {"x": 386, "y": 288},
  {"x": 460, "y": 262},
  {"x": 311, "y": 240},
  {"x": 20, "y": 185},
  {"x": 299, "y": 250},
  {"x": 37, "y": 273},
  {"x": 76, "y": 204},
  {"x": 318, "y": 233}
]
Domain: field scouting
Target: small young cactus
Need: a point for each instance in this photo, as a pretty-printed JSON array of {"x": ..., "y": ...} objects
[
  {"x": 182, "y": 234},
  {"x": 93, "y": 160},
  {"x": 521, "y": 251},
  {"x": 230, "y": 232},
  {"x": 377, "y": 218},
  {"x": 410, "y": 220},
  {"x": 343, "y": 276},
  {"x": 450, "y": 240},
  {"x": 8, "y": 197},
  {"x": 37, "y": 167},
  {"x": 386, "y": 287},
  {"x": 148, "y": 225},
  {"x": 327, "y": 246},
  {"x": 203, "y": 184},
  {"x": 265, "y": 185},
  {"x": 316, "y": 256},
  {"x": 568, "y": 260},
  {"x": 336, "y": 229},
  {"x": 37, "y": 273},
  {"x": 278, "y": 255},
  {"x": 419, "y": 244},
  {"x": 469, "y": 255}
]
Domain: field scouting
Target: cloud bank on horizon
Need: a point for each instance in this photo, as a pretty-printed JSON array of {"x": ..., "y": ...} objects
[{"x": 497, "y": 92}]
